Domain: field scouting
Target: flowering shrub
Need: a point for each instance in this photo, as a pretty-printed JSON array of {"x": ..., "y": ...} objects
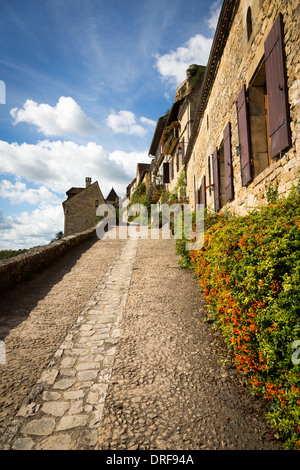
[
  {"x": 168, "y": 136},
  {"x": 249, "y": 270}
]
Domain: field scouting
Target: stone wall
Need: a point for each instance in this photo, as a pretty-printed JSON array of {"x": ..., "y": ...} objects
[
  {"x": 238, "y": 65},
  {"x": 80, "y": 210},
  {"x": 23, "y": 266}
]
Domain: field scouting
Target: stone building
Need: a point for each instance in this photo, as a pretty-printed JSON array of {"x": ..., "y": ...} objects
[
  {"x": 246, "y": 133},
  {"x": 171, "y": 136},
  {"x": 112, "y": 198},
  {"x": 80, "y": 207}
]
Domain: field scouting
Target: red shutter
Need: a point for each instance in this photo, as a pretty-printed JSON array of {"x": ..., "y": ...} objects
[
  {"x": 203, "y": 191},
  {"x": 166, "y": 173},
  {"x": 216, "y": 173},
  {"x": 278, "y": 107},
  {"x": 244, "y": 136},
  {"x": 228, "y": 163}
]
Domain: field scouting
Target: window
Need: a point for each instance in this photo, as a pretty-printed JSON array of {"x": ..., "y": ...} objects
[
  {"x": 244, "y": 136},
  {"x": 202, "y": 192},
  {"x": 209, "y": 174},
  {"x": 96, "y": 203},
  {"x": 228, "y": 170},
  {"x": 249, "y": 23},
  {"x": 263, "y": 110},
  {"x": 278, "y": 106},
  {"x": 219, "y": 178},
  {"x": 258, "y": 121},
  {"x": 166, "y": 173}
]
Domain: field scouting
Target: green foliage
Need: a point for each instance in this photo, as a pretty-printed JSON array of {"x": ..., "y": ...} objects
[
  {"x": 139, "y": 196},
  {"x": 6, "y": 254},
  {"x": 249, "y": 271},
  {"x": 58, "y": 236},
  {"x": 197, "y": 73}
]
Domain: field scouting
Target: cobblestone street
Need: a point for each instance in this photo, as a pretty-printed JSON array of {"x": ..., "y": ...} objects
[{"x": 126, "y": 360}]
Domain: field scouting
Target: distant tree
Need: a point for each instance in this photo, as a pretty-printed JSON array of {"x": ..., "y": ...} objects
[{"x": 58, "y": 236}]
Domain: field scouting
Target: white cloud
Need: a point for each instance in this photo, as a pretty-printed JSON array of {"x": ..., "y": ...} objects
[
  {"x": 57, "y": 165},
  {"x": 129, "y": 161},
  {"x": 215, "y": 9},
  {"x": 5, "y": 222},
  {"x": 173, "y": 65},
  {"x": 18, "y": 193},
  {"x": 66, "y": 117},
  {"x": 148, "y": 122},
  {"x": 125, "y": 123},
  {"x": 34, "y": 228}
]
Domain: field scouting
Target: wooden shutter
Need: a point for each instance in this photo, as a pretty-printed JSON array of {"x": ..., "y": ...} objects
[
  {"x": 216, "y": 174},
  {"x": 177, "y": 160},
  {"x": 244, "y": 137},
  {"x": 228, "y": 163},
  {"x": 203, "y": 191},
  {"x": 166, "y": 173},
  {"x": 278, "y": 107},
  {"x": 182, "y": 145}
]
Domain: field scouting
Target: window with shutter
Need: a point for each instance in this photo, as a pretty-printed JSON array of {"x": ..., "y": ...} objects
[
  {"x": 216, "y": 175},
  {"x": 244, "y": 137},
  {"x": 228, "y": 163},
  {"x": 166, "y": 173},
  {"x": 278, "y": 107},
  {"x": 203, "y": 191}
]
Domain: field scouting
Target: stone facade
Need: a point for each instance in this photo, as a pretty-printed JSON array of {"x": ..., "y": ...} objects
[
  {"x": 238, "y": 65},
  {"x": 81, "y": 206}
]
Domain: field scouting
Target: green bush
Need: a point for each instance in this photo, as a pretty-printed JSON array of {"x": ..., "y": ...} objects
[{"x": 249, "y": 271}]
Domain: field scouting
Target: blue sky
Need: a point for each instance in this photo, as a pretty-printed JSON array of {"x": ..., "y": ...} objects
[{"x": 85, "y": 82}]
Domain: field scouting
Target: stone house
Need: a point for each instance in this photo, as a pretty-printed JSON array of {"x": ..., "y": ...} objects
[
  {"x": 246, "y": 132},
  {"x": 171, "y": 138},
  {"x": 80, "y": 207},
  {"x": 112, "y": 198}
]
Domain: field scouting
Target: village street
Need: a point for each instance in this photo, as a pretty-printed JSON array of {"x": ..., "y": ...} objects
[{"x": 109, "y": 349}]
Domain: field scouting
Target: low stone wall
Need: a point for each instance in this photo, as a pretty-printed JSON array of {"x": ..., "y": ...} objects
[{"x": 23, "y": 266}]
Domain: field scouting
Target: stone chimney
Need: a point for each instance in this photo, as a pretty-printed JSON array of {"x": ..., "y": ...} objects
[{"x": 88, "y": 181}]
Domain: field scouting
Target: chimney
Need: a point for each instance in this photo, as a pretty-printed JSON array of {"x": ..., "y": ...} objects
[{"x": 88, "y": 182}]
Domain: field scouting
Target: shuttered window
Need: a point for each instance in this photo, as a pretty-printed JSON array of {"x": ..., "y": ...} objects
[
  {"x": 166, "y": 173},
  {"x": 278, "y": 108},
  {"x": 203, "y": 191},
  {"x": 244, "y": 137},
  {"x": 216, "y": 175},
  {"x": 228, "y": 163}
]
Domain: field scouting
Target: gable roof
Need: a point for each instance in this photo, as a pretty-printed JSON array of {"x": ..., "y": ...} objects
[
  {"x": 112, "y": 195},
  {"x": 75, "y": 192}
]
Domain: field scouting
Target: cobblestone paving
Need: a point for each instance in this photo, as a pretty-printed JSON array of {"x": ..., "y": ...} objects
[
  {"x": 141, "y": 369},
  {"x": 64, "y": 409}
]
